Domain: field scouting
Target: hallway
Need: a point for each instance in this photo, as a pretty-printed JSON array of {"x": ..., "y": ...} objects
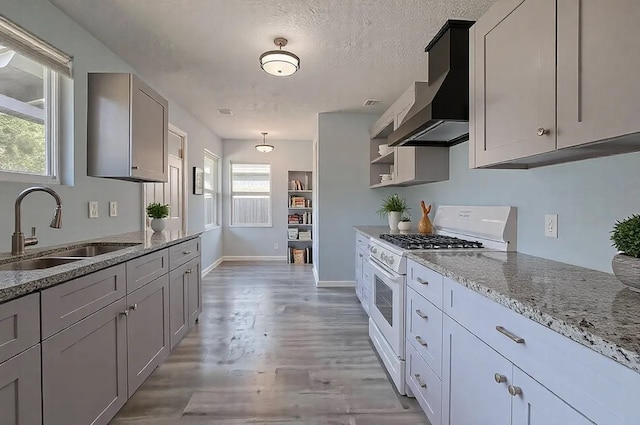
[{"x": 270, "y": 348}]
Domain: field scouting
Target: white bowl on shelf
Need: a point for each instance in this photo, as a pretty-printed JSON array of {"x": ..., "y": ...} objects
[
  {"x": 384, "y": 149},
  {"x": 385, "y": 177}
]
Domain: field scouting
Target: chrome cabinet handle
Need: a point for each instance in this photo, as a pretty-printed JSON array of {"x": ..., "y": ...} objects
[
  {"x": 419, "y": 381},
  {"x": 186, "y": 252},
  {"x": 124, "y": 313},
  {"x": 422, "y": 315},
  {"x": 421, "y": 282},
  {"x": 134, "y": 167},
  {"x": 513, "y": 337},
  {"x": 421, "y": 341},
  {"x": 542, "y": 131},
  {"x": 514, "y": 391},
  {"x": 499, "y": 378},
  {"x": 189, "y": 271},
  {"x": 134, "y": 307}
]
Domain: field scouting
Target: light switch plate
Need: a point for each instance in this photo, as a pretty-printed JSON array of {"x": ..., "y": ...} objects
[
  {"x": 113, "y": 209},
  {"x": 551, "y": 225},
  {"x": 93, "y": 209}
]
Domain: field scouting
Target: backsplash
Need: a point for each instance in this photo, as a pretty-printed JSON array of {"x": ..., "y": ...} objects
[{"x": 588, "y": 196}]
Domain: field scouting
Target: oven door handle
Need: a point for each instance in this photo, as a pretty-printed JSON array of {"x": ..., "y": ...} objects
[{"x": 383, "y": 272}]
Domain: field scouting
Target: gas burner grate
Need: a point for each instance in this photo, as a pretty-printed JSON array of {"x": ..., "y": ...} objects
[{"x": 419, "y": 241}]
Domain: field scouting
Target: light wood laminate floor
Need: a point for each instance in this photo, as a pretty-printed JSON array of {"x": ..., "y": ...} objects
[{"x": 272, "y": 349}]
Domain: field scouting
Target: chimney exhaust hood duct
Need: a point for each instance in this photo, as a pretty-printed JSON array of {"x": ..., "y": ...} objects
[{"x": 440, "y": 117}]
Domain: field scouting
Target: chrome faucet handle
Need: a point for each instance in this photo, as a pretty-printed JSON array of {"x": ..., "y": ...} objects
[
  {"x": 32, "y": 240},
  {"x": 33, "y": 231}
]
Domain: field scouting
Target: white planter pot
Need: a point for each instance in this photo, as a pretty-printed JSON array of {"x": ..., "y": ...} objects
[
  {"x": 627, "y": 270},
  {"x": 158, "y": 224},
  {"x": 394, "y": 219},
  {"x": 404, "y": 226}
]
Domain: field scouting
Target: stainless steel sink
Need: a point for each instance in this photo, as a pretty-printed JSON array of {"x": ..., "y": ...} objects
[
  {"x": 37, "y": 263},
  {"x": 89, "y": 251}
]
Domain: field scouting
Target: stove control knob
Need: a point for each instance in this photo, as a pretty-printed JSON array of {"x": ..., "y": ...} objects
[
  {"x": 373, "y": 249},
  {"x": 390, "y": 261},
  {"x": 383, "y": 257}
]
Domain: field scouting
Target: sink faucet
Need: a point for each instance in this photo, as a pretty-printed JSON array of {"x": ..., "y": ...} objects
[{"x": 18, "y": 241}]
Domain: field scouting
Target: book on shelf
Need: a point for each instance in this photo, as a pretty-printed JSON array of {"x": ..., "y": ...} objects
[
  {"x": 297, "y": 185},
  {"x": 304, "y": 235},
  {"x": 299, "y": 202},
  {"x": 299, "y": 256},
  {"x": 305, "y": 218}
]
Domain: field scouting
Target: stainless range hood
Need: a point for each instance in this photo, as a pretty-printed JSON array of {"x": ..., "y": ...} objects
[{"x": 440, "y": 116}]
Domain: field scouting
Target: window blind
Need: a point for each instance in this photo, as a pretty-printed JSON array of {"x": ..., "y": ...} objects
[{"x": 30, "y": 45}]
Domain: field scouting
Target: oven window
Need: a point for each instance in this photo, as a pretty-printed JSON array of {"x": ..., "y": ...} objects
[{"x": 384, "y": 300}]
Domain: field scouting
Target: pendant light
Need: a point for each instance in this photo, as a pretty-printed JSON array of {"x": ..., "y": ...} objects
[
  {"x": 279, "y": 62},
  {"x": 264, "y": 148}
]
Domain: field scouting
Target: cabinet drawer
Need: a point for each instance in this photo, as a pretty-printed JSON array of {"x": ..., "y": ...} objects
[
  {"x": 145, "y": 269},
  {"x": 425, "y": 385},
  {"x": 19, "y": 325},
  {"x": 362, "y": 242},
  {"x": 70, "y": 302},
  {"x": 593, "y": 384},
  {"x": 425, "y": 282},
  {"x": 183, "y": 252},
  {"x": 424, "y": 329},
  {"x": 20, "y": 395}
]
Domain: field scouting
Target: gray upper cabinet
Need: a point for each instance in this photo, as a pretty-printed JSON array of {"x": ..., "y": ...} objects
[
  {"x": 20, "y": 389},
  {"x": 416, "y": 165},
  {"x": 127, "y": 129},
  {"x": 598, "y": 68},
  {"x": 523, "y": 51},
  {"x": 514, "y": 73},
  {"x": 84, "y": 369}
]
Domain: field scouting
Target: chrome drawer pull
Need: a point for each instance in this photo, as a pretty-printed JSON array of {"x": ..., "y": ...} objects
[
  {"x": 186, "y": 252},
  {"x": 421, "y": 341},
  {"x": 134, "y": 307},
  {"x": 422, "y": 315},
  {"x": 422, "y": 384},
  {"x": 514, "y": 391},
  {"x": 499, "y": 378},
  {"x": 124, "y": 313},
  {"x": 513, "y": 337},
  {"x": 421, "y": 282}
]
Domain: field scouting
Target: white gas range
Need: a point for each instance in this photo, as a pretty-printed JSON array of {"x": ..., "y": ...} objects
[{"x": 457, "y": 228}]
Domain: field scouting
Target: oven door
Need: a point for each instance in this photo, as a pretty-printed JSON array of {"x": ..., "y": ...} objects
[{"x": 387, "y": 305}]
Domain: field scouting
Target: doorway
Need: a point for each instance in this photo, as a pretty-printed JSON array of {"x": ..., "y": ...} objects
[{"x": 173, "y": 192}]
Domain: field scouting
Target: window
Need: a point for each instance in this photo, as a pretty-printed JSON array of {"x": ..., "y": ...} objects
[
  {"x": 251, "y": 195},
  {"x": 210, "y": 190},
  {"x": 29, "y": 70}
]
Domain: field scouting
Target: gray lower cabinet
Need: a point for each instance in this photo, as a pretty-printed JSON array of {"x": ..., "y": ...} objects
[
  {"x": 84, "y": 369},
  {"x": 195, "y": 290},
  {"x": 20, "y": 389},
  {"x": 147, "y": 330},
  {"x": 179, "y": 308}
]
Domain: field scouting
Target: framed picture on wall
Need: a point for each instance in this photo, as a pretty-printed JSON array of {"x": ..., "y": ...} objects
[{"x": 198, "y": 180}]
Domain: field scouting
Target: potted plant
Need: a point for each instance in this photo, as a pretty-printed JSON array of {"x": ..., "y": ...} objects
[
  {"x": 393, "y": 207},
  {"x": 626, "y": 264},
  {"x": 405, "y": 225},
  {"x": 158, "y": 213}
]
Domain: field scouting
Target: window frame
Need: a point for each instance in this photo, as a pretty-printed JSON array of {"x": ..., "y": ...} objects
[
  {"x": 52, "y": 135},
  {"x": 216, "y": 191},
  {"x": 231, "y": 194}
]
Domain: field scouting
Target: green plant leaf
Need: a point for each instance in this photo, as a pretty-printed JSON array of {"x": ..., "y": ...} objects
[
  {"x": 393, "y": 203},
  {"x": 157, "y": 210},
  {"x": 626, "y": 235}
]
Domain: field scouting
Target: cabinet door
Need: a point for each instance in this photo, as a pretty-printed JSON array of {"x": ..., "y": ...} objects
[
  {"x": 149, "y": 132},
  {"x": 472, "y": 394},
  {"x": 598, "y": 68},
  {"x": 536, "y": 405},
  {"x": 84, "y": 370},
  {"x": 515, "y": 63},
  {"x": 20, "y": 397},
  {"x": 195, "y": 291},
  {"x": 359, "y": 264},
  {"x": 178, "y": 299},
  {"x": 147, "y": 330},
  {"x": 405, "y": 164}
]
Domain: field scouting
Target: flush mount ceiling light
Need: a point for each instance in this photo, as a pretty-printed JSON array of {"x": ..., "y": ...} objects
[
  {"x": 279, "y": 62},
  {"x": 264, "y": 148}
]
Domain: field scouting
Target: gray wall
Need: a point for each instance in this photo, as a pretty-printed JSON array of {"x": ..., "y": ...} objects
[
  {"x": 588, "y": 196},
  {"x": 344, "y": 197},
  {"x": 48, "y": 22},
  {"x": 259, "y": 241}
]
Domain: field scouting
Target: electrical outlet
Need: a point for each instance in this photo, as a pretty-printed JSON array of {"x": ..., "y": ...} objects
[
  {"x": 113, "y": 209},
  {"x": 275, "y": 245},
  {"x": 93, "y": 209},
  {"x": 551, "y": 225}
]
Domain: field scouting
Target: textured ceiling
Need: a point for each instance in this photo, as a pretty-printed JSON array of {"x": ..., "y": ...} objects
[{"x": 204, "y": 54}]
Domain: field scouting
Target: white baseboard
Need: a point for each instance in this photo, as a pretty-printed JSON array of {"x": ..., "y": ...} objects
[
  {"x": 212, "y": 266},
  {"x": 252, "y": 258},
  {"x": 335, "y": 284}
]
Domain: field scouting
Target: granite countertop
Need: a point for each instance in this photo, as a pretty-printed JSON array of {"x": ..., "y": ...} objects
[
  {"x": 590, "y": 307},
  {"x": 374, "y": 231},
  {"x": 16, "y": 283}
]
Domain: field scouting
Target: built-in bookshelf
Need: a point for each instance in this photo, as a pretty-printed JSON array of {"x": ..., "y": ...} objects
[{"x": 299, "y": 217}]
